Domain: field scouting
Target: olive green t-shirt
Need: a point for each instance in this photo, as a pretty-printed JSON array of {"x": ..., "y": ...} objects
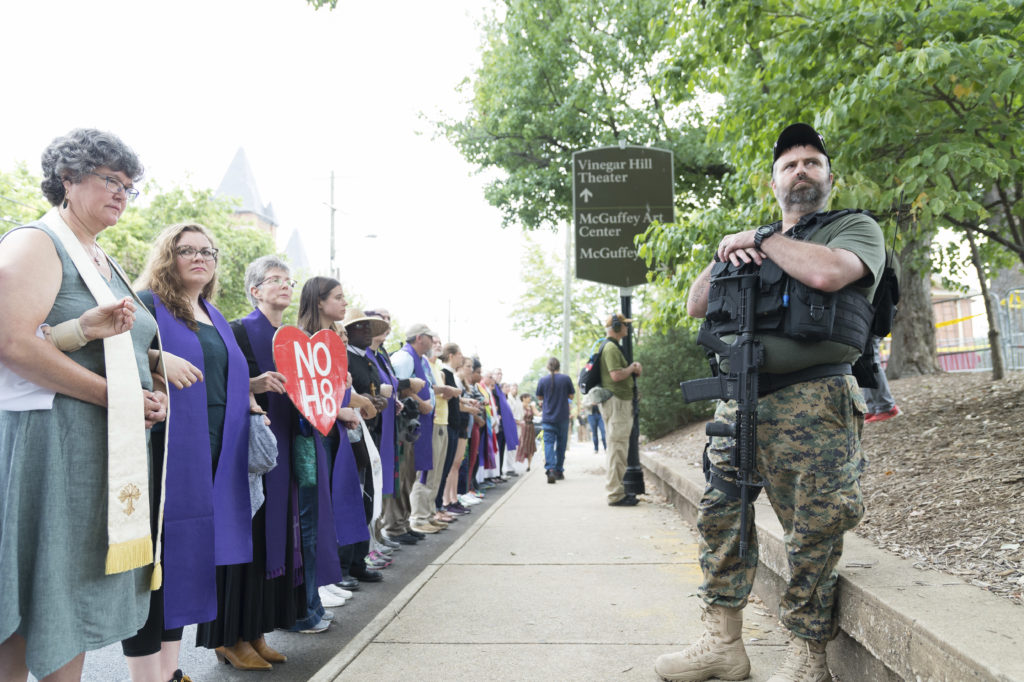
[
  {"x": 861, "y": 235},
  {"x": 612, "y": 358}
]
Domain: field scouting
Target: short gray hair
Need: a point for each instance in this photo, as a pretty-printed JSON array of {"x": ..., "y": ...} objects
[
  {"x": 81, "y": 151},
  {"x": 257, "y": 272}
]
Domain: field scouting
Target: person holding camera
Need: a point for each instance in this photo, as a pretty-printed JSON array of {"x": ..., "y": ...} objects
[
  {"x": 809, "y": 414},
  {"x": 418, "y": 456}
]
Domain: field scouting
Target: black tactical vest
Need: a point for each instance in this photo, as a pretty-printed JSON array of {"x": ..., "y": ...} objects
[{"x": 786, "y": 306}]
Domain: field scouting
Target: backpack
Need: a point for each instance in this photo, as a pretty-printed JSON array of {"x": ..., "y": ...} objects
[
  {"x": 590, "y": 374},
  {"x": 887, "y": 296}
]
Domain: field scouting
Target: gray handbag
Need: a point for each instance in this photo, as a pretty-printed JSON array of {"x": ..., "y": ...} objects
[{"x": 262, "y": 458}]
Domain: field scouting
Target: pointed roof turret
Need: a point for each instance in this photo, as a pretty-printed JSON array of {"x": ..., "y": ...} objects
[
  {"x": 239, "y": 182},
  {"x": 296, "y": 253}
]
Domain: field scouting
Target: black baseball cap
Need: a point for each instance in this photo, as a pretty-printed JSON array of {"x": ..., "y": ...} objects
[{"x": 797, "y": 135}]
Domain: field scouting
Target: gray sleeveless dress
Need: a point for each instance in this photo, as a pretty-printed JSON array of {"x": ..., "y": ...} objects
[{"x": 53, "y": 512}]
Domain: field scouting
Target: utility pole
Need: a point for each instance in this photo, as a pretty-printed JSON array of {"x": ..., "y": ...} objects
[{"x": 334, "y": 268}]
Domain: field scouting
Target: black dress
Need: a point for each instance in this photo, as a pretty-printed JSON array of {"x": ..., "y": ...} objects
[{"x": 248, "y": 604}]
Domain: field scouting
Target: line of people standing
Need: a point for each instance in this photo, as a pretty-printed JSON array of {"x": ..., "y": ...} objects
[{"x": 131, "y": 502}]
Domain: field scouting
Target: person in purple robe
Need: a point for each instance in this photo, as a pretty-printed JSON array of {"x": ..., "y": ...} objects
[
  {"x": 205, "y": 506},
  {"x": 266, "y": 593},
  {"x": 321, "y": 304}
]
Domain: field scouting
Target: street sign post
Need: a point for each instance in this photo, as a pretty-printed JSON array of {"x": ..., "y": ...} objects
[{"x": 617, "y": 193}]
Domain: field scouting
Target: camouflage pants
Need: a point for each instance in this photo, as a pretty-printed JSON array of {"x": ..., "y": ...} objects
[{"x": 810, "y": 460}]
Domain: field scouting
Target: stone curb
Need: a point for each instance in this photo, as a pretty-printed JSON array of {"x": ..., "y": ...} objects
[
  {"x": 333, "y": 669},
  {"x": 897, "y": 622}
]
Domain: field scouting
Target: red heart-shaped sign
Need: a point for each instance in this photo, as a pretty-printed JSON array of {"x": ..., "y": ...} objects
[{"x": 315, "y": 369}]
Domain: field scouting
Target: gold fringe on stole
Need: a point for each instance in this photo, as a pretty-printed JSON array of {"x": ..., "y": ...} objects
[
  {"x": 124, "y": 556},
  {"x": 158, "y": 577}
]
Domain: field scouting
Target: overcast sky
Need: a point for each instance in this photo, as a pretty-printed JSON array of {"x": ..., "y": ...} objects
[{"x": 304, "y": 92}]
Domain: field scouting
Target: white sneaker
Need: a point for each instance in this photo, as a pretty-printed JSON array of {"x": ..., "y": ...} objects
[
  {"x": 330, "y": 599},
  {"x": 469, "y": 500},
  {"x": 334, "y": 589}
]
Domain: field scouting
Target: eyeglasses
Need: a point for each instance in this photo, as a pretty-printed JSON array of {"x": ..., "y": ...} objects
[
  {"x": 114, "y": 186},
  {"x": 191, "y": 251},
  {"x": 278, "y": 281}
]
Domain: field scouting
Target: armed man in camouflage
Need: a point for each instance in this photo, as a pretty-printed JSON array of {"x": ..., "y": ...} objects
[{"x": 808, "y": 427}]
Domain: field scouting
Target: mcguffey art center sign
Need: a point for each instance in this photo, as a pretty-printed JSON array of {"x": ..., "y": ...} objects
[{"x": 617, "y": 193}]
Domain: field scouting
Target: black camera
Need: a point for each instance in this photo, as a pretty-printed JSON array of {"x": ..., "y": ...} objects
[{"x": 407, "y": 426}]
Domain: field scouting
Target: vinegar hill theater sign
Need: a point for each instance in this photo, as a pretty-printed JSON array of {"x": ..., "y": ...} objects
[{"x": 617, "y": 192}]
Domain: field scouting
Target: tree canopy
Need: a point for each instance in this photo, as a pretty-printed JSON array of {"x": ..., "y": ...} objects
[
  {"x": 130, "y": 240},
  {"x": 558, "y": 76},
  {"x": 915, "y": 97}
]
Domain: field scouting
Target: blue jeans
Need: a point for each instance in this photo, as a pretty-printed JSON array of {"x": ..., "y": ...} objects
[
  {"x": 556, "y": 437},
  {"x": 309, "y": 502},
  {"x": 597, "y": 423}
]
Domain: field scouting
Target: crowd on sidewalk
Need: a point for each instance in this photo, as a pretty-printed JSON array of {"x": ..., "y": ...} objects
[{"x": 154, "y": 472}]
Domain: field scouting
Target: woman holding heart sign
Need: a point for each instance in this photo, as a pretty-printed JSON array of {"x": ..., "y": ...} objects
[
  {"x": 321, "y": 497},
  {"x": 206, "y": 518}
]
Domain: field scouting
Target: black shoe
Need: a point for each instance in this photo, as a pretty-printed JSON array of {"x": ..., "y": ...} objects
[
  {"x": 416, "y": 534},
  {"x": 348, "y": 583},
  {"x": 407, "y": 539},
  {"x": 626, "y": 501},
  {"x": 368, "y": 576},
  {"x": 551, "y": 477},
  {"x": 559, "y": 475}
]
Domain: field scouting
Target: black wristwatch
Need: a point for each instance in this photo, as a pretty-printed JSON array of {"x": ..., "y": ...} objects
[{"x": 763, "y": 233}]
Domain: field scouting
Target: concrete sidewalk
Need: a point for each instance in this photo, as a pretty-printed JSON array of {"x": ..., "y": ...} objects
[{"x": 551, "y": 583}]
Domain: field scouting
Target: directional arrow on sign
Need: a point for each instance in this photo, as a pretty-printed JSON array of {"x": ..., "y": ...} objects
[{"x": 586, "y": 194}]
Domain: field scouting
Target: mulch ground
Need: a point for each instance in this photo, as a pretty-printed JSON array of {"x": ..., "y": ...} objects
[{"x": 945, "y": 483}]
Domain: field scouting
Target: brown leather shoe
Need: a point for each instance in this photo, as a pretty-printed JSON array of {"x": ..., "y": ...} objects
[
  {"x": 242, "y": 656},
  {"x": 266, "y": 653}
]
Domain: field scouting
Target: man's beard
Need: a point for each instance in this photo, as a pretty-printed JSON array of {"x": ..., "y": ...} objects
[{"x": 812, "y": 197}]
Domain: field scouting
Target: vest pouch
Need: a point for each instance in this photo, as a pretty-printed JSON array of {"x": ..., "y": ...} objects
[
  {"x": 811, "y": 313},
  {"x": 770, "y": 305},
  {"x": 721, "y": 306}
]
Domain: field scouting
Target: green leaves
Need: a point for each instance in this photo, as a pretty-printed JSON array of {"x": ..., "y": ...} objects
[
  {"x": 561, "y": 76},
  {"x": 130, "y": 240}
]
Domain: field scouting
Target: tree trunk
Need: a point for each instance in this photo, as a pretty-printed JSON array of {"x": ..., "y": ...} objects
[
  {"x": 913, "y": 334},
  {"x": 995, "y": 348}
]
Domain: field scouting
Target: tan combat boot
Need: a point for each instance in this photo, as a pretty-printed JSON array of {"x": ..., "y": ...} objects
[
  {"x": 805, "y": 662},
  {"x": 718, "y": 653}
]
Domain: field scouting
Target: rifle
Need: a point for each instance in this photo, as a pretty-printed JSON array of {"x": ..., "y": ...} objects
[{"x": 745, "y": 355}]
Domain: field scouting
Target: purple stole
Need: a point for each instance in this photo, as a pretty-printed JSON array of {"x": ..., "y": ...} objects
[
  {"x": 206, "y": 522},
  {"x": 387, "y": 429},
  {"x": 328, "y": 566},
  {"x": 346, "y": 496},
  {"x": 508, "y": 422},
  {"x": 281, "y": 516},
  {"x": 423, "y": 448}
]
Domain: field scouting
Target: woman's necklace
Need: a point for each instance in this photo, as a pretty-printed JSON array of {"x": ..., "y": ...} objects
[{"x": 97, "y": 254}]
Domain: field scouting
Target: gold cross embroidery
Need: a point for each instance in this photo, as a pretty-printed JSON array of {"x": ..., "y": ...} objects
[{"x": 128, "y": 495}]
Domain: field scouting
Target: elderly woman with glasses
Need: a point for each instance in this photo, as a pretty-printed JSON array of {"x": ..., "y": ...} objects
[
  {"x": 206, "y": 517},
  {"x": 266, "y": 593},
  {"x": 74, "y": 460}
]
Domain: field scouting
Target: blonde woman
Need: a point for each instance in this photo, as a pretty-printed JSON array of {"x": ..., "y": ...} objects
[{"x": 206, "y": 519}]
